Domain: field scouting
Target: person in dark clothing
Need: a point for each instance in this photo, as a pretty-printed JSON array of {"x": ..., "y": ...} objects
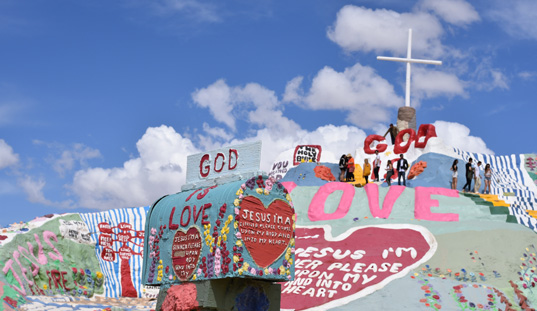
[
  {"x": 402, "y": 166},
  {"x": 469, "y": 175},
  {"x": 393, "y": 130},
  {"x": 342, "y": 167},
  {"x": 389, "y": 173}
]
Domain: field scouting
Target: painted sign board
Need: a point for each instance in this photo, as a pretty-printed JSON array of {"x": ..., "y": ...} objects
[
  {"x": 240, "y": 229},
  {"x": 220, "y": 162},
  {"x": 307, "y": 153}
]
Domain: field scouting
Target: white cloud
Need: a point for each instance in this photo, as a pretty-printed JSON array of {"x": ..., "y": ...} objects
[
  {"x": 527, "y": 75},
  {"x": 7, "y": 156},
  {"x": 293, "y": 92},
  {"x": 196, "y": 9},
  {"x": 486, "y": 77},
  {"x": 366, "y": 97},
  {"x": 79, "y": 154},
  {"x": 458, "y": 136},
  {"x": 217, "y": 97},
  {"x": 159, "y": 170},
  {"x": 367, "y": 30},
  {"x": 456, "y": 12},
  {"x": 252, "y": 103},
  {"x": 517, "y": 17},
  {"x": 432, "y": 83},
  {"x": 34, "y": 192}
]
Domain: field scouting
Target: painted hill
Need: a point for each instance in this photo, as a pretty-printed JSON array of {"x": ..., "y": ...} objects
[{"x": 373, "y": 247}]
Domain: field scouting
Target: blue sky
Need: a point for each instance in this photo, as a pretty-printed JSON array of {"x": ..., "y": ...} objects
[{"x": 101, "y": 101}]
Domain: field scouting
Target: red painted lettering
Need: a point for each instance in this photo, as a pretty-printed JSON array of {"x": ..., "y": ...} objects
[
  {"x": 183, "y": 223},
  {"x": 400, "y": 145},
  {"x": 171, "y": 225},
  {"x": 204, "y": 216},
  {"x": 233, "y": 154},
  {"x": 369, "y": 140},
  {"x": 425, "y": 131},
  {"x": 205, "y": 165},
  {"x": 219, "y": 155}
]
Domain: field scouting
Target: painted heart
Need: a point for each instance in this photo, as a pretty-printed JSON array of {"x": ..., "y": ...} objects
[
  {"x": 265, "y": 231},
  {"x": 186, "y": 251},
  {"x": 330, "y": 272}
]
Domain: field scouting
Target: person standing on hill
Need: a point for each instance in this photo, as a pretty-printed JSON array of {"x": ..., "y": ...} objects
[
  {"x": 366, "y": 171},
  {"x": 402, "y": 166},
  {"x": 477, "y": 177},
  {"x": 350, "y": 168},
  {"x": 389, "y": 173},
  {"x": 376, "y": 165},
  {"x": 455, "y": 174},
  {"x": 342, "y": 167},
  {"x": 469, "y": 175},
  {"x": 393, "y": 130},
  {"x": 488, "y": 178}
]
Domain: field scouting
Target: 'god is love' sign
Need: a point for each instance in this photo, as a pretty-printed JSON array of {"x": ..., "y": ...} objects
[{"x": 330, "y": 272}]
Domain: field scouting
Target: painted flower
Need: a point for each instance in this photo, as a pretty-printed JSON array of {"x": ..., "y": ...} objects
[{"x": 153, "y": 231}]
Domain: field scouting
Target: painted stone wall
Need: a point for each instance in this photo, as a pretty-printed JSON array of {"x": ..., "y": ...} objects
[
  {"x": 51, "y": 259},
  {"x": 118, "y": 236}
]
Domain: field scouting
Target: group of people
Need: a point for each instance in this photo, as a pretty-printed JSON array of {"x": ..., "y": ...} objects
[
  {"x": 346, "y": 165},
  {"x": 473, "y": 172}
]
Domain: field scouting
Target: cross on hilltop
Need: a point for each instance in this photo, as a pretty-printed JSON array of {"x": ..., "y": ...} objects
[{"x": 408, "y": 60}]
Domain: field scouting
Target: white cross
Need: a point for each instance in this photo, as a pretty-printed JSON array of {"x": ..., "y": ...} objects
[{"x": 408, "y": 60}]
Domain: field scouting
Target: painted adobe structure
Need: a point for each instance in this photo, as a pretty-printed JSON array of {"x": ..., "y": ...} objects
[{"x": 420, "y": 247}]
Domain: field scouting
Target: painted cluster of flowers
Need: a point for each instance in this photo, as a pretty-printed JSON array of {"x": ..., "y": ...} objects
[
  {"x": 433, "y": 298},
  {"x": 464, "y": 304},
  {"x": 217, "y": 261},
  {"x": 527, "y": 274},
  {"x": 154, "y": 255},
  {"x": 264, "y": 186},
  {"x": 461, "y": 276}
]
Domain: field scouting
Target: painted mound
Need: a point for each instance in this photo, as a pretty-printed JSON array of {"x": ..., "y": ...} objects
[
  {"x": 421, "y": 247},
  {"x": 434, "y": 248}
]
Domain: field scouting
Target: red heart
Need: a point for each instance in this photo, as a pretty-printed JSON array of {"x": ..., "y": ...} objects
[
  {"x": 266, "y": 232},
  {"x": 330, "y": 272},
  {"x": 186, "y": 251}
]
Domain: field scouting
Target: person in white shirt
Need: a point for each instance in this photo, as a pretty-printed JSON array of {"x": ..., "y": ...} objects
[
  {"x": 477, "y": 177},
  {"x": 376, "y": 165}
]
